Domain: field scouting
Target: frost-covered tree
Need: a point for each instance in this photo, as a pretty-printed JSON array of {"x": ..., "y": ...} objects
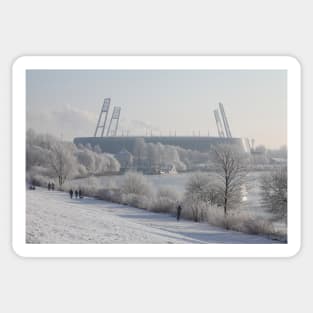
[
  {"x": 62, "y": 161},
  {"x": 171, "y": 156},
  {"x": 153, "y": 154},
  {"x": 48, "y": 157},
  {"x": 274, "y": 192},
  {"x": 125, "y": 159},
  {"x": 200, "y": 192},
  {"x": 97, "y": 149},
  {"x": 96, "y": 163},
  {"x": 86, "y": 158},
  {"x": 139, "y": 152},
  {"x": 191, "y": 158},
  {"x": 230, "y": 165},
  {"x": 198, "y": 185}
]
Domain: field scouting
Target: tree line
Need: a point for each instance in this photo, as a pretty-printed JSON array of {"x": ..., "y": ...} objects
[{"x": 48, "y": 157}]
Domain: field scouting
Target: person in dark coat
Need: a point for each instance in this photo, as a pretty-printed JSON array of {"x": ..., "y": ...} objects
[
  {"x": 76, "y": 194},
  {"x": 80, "y": 194},
  {"x": 49, "y": 186},
  {"x": 71, "y": 193},
  {"x": 179, "y": 208},
  {"x": 52, "y": 186}
]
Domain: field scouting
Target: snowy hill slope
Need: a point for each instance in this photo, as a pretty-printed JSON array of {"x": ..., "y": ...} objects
[{"x": 52, "y": 217}]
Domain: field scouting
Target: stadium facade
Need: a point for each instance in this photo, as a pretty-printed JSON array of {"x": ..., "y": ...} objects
[
  {"x": 115, "y": 144},
  {"x": 105, "y": 135}
]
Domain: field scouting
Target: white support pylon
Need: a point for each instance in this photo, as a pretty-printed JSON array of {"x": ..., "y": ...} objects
[{"x": 104, "y": 110}]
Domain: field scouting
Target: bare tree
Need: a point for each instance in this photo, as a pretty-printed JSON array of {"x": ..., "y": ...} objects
[
  {"x": 274, "y": 192},
  {"x": 230, "y": 165}
]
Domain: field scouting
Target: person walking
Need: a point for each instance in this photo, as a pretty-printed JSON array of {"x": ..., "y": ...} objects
[
  {"x": 71, "y": 193},
  {"x": 52, "y": 186},
  {"x": 49, "y": 186},
  {"x": 179, "y": 208},
  {"x": 76, "y": 194},
  {"x": 80, "y": 194}
]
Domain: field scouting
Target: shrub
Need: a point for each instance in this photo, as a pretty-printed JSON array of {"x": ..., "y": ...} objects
[
  {"x": 113, "y": 195},
  {"x": 166, "y": 201},
  {"x": 215, "y": 215},
  {"x": 136, "y": 183},
  {"x": 137, "y": 201},
  {"x": 274, "y": 192},
  {"x": 194, "y": 208},
  {"x": 200, "y": 193},
  {"x": 237, "y": 220},
  {"x": 38, "y": 180}
]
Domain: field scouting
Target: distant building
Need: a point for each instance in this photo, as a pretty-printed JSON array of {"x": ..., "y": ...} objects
[{"x": 116, "y": 144}]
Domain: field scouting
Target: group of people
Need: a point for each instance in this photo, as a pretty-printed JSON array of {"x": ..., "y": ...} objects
[
  {"x": 51, "y": 186},
  {"x": 76, "y": 193}
]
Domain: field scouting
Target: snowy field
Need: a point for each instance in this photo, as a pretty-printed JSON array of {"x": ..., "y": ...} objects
[{"x": 52, "y": 217}]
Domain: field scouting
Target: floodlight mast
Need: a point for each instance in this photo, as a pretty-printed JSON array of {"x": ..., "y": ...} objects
[
  {"x": 104, "y": 110},
  {"x": 225, "y": 121},
  {"x": 117, "y": 121},
  {"x": 218, "y": 124},
  {"x": 115, "y": 116}
]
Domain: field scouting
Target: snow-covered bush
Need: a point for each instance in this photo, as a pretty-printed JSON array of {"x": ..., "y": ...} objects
[
  {"x": 166, "y": 201},
  {"x": 136, "y": 183},
  {"x": 215, "y": 215},
  {"x": 193, "y": 208},
  {"x": 250, "y": 223},
  {"x": 137, "y": 200},
  {"x": 136, "y": 190},
  {"x": 95, "y": 162},
  {"x": 192, "y": 159},
  {"x": 125, "y": 159},
  {"x": 236, "y": 220},
  {"x": 112, "y": 195},
  {"x": 201, "y": 191},
  {"x": 153, "y": 156},
  {"x": 37, "y": 179},
  {"x": 203, "y": 187},
  {"x": 85, "y": 158},
  {"x": 39, "y": 176},
  {"x": 274, "y": 192}
]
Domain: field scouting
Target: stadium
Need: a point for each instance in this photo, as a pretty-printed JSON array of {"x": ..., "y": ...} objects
[{"x": 106, "y": 138}]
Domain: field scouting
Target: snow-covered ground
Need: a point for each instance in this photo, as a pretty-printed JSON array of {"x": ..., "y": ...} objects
[{"x": 52, "y": 217}]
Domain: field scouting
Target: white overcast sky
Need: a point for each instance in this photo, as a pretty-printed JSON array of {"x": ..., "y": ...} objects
[{"x": 66, "y": 103}]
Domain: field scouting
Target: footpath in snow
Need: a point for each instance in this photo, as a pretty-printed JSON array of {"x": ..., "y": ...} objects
[{"x": 52, "y": 217}]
